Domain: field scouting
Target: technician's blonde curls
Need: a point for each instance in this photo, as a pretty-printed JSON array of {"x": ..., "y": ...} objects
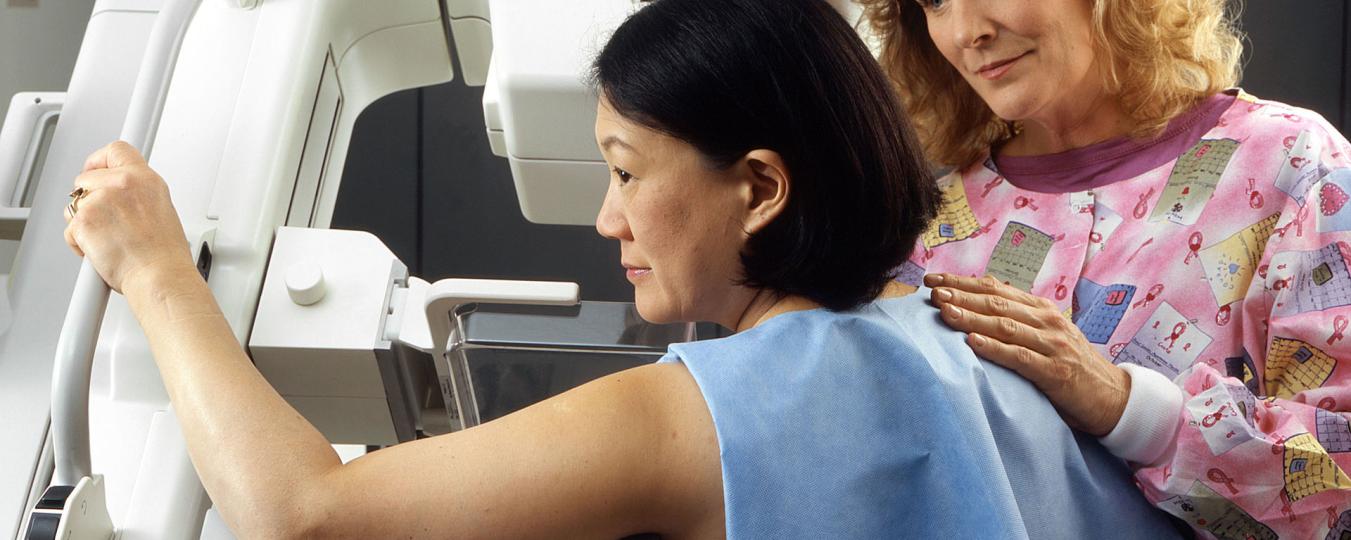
[{"x": 1163, "y": 57}]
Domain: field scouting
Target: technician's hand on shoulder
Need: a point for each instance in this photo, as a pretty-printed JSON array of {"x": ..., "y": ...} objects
[
  {"x": 124, "y": 221},
  {"x": 1029, "y": 335}
]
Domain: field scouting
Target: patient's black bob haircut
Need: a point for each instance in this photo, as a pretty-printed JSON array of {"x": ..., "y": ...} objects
[{"x": 731, "y": 76}]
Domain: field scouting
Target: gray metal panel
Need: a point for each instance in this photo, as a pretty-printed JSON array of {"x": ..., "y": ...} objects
[
  {"x": 608, "y": 326},
  {"x": 513, "y": 356},
  {"x": 379, "y": 192}
]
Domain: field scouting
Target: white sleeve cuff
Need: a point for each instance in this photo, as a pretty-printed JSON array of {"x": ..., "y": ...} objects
[{"x": 1148, "y": 427}]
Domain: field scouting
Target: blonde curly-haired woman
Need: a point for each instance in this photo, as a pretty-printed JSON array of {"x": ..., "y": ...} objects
[{"x": 1169, "y": 255}]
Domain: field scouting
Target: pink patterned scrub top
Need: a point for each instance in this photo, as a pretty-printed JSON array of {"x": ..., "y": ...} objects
[{"x": 1217, "y": 255}]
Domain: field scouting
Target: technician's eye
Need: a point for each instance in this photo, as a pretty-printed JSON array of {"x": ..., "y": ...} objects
[{"x": 622, "y": 175}]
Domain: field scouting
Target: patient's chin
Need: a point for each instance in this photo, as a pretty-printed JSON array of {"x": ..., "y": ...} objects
[{"x": 655, "y": 312}]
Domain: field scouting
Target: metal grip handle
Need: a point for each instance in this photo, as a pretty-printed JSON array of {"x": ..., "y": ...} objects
[{"x": 70, "y": 381}]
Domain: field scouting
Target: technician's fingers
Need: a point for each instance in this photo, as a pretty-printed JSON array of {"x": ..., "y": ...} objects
[
  {"x": 992, "y": 305},
  {"x": 1030, "y": 364},
  {"x": 1002, "y": 328},
  {"x": 1089, "y": 392},
  {"x": 985, "y": 285}
]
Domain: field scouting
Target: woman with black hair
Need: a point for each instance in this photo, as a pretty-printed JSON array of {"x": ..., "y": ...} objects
[{"x": 763, "y": 178}]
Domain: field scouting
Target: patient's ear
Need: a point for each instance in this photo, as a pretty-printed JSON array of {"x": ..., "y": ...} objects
[{"x": 767, "y": 188}]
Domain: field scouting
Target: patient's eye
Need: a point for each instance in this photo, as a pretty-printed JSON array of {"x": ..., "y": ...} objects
[
  {"x": 622, "y": 175},
  {"x": 931, "y": 4}
]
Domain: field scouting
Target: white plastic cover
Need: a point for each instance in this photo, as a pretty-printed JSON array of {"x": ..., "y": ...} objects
[{"x": 538, "y": 105}]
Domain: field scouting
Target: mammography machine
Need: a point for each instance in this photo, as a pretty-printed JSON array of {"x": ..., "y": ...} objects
[{"x": 246, "y": 108}]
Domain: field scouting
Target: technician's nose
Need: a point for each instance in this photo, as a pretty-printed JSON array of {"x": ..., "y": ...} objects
[{"x": 969, "y": 24}]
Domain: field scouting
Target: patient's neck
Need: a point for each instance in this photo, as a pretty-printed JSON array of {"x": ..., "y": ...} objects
[{"x": 768, "y": 304}]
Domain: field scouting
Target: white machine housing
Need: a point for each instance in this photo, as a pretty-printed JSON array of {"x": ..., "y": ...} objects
[
  {"x": 534, "y": 82},
  {"x": 320, "y": 335}
]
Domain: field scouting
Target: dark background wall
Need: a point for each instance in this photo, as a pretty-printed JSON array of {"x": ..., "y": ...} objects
[
  {"x": 420, "y": 175},
  {"x": 1298, "y": 52}
]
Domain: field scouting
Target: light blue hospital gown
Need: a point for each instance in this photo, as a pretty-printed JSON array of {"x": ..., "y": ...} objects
[{"x": 881, "y": 423}]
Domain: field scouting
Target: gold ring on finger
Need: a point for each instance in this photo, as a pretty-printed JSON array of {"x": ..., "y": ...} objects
[{"x": 75, "y": 197}]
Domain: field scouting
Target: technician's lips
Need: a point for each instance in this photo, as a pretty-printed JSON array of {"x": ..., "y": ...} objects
[{"x": 995, "y": 70}]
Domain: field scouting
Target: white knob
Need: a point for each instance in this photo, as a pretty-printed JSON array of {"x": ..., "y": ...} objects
[{"x": 305, "y": 283}]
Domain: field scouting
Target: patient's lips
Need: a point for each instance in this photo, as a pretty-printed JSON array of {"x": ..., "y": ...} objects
[{"x": 634, "y": 272}]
